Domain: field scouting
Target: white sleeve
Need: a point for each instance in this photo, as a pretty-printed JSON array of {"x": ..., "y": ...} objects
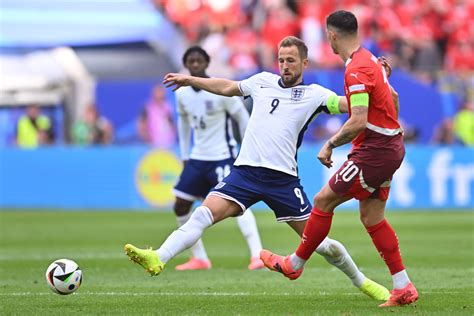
[
  {"x": 242, "y": 119},
  {"x": 322, "y": 96},
  {"x": 184, "y": 136},
  {"x": 247, "y": 86},
  {"x": 184, "y": 130},
  {"x": 179, "y": 105}
]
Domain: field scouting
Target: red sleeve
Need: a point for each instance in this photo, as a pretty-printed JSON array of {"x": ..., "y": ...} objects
[{"x": 360, "y": 79}]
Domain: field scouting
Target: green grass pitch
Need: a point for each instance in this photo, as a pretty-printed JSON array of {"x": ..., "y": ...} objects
[{"x": 437, "y": 247}]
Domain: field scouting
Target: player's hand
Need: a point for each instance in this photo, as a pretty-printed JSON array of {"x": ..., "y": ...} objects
[
  {"x": 176, "y": 80},
  {"x": 324, "y": 155},
  {"x": 388, "y": 69}
]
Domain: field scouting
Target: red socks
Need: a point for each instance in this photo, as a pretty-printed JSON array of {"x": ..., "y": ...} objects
[
  {"x": 316, "y": 229},
  {"x": 386, "y": 242},
  {"x": 382, "y": 234}
]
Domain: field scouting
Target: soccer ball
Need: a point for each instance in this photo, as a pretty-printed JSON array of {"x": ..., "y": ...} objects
[{"x": 63, "y": 276}]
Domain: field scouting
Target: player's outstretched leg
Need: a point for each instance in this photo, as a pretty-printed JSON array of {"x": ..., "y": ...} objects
[
  {"x": 336, "y": 254},
  {"x": 147, "y": 258},
  {"x": 178, "y": 241},
  {"x": 199, "y": 259},
  {"x": 248, "y": 227}
]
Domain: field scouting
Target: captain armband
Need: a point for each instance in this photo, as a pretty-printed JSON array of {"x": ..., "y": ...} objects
[
  {"x": 333, "y": 104},
  {"x": 359, "y": 99}
]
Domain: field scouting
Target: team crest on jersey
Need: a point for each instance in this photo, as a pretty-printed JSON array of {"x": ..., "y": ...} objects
[
  {"x": 297, "y": 94},
  {"x": 209, "y": 106}
]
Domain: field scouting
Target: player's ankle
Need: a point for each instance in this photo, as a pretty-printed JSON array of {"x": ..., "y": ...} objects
[
  {"x": 164, "y": 254},
  {"x": 358, "y": 279},
  {"x": 400, "y": 279},
  {"x": 296, "y": 262}
]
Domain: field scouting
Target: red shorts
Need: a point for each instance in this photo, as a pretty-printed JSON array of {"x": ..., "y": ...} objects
[{"x": 362, "y": 181}]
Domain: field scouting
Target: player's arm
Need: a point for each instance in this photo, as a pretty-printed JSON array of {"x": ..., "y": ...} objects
[
  {"x": 356, "y": 122},
  {"x": 388, "y": 70},
  {"x": 353, "y": 126},
  {"x": 395, "y": 99},
  {"x": 337, "y": 104},
  {"x": 343, "y": 105},
  {"x": 219, "y": 86}
]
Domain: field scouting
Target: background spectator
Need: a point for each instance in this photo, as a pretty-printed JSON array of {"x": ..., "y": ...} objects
[
  {"x": 155, "y": 125},
  {"x": 33, "y": 129},
  {"x": 92, "y": 129},
  {"x": 410, "y": 132},
  {"x": 444, "y": 133},
  {"x": 464, "y": 124}
]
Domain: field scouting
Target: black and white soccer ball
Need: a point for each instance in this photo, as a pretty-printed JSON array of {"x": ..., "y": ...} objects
[{"x": 63, "y": 276}]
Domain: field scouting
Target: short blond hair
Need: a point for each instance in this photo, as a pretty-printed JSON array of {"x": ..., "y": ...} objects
[{"x": 295, "y": 41}]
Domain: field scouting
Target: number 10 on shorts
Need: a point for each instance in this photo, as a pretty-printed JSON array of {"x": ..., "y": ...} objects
[{"x": 349, "y": 171}]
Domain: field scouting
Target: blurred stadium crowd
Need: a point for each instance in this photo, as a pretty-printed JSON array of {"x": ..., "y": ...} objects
[
  {"x": 420, "y": 36},
  {"x": 431, "y": 39}
]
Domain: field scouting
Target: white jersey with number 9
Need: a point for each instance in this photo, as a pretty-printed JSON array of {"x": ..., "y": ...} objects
[{"x": 278, "y": 120}]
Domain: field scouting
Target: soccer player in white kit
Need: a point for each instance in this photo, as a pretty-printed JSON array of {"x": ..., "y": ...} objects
[
  {"x": 207, "y": 116},
  {"x": 266, "y": 168}
]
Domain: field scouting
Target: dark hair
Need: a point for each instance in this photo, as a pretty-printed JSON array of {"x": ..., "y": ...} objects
[
  {"x": 295, "y": 41},
  {"x": 344, "y": 21},
  {"x": 194, "y": 49}
]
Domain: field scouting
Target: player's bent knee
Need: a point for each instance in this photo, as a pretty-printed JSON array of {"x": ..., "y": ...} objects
[
  {"x": 322, "y": 201},
  {"x": 327, "y": 200},
  {"x": 372, "y": 212},
  {"x": 369, "y": 220},
  {"x": 221, "y": 208},
  {"x": 365, "y": 219},
  {"x": 182, "y": 207}
]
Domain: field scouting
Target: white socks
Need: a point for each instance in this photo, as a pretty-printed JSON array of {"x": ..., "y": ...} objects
[
  {"x": 197, "y": 249},
  {"x": 248, "y": 227},
  {"x": 186, "y": 235},
  {"x": 400, "y": 279},
  {"x": 334, "y": 253}
]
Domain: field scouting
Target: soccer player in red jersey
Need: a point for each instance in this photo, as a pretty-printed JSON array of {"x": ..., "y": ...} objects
[{"x": 377, "y": 152}]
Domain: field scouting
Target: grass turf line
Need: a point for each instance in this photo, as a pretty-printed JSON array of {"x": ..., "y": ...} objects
[{"x": 437, "y": 249}]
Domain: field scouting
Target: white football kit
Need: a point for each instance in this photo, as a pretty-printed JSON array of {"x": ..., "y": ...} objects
[
  {"x": 279, "y": 118},
  {"x": 208, "y": 115}
]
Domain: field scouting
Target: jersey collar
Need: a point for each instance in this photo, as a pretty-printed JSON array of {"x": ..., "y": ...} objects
[
  {"x": 350, "y": 57},
  {"x": 280, "y": 83}
]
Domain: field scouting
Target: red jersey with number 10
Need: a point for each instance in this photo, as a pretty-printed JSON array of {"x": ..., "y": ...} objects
[{"x": 364, "y": 73}]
